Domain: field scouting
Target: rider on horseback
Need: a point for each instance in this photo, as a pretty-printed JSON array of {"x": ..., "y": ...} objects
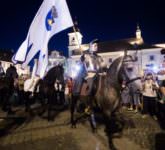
[{"x": 89, "y": 66}]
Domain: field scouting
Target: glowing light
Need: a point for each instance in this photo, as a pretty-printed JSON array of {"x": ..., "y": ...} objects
[
  {"x": 121, "y": 54},
  {"x": 77, "y": 67},
  {"x": 155, "y": 68},
  {"x": 75, "y": 70},
  {"x": 73, "y": 74}
]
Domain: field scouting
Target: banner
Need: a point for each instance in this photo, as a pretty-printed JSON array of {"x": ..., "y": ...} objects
[{"x": 52, "y": 17}]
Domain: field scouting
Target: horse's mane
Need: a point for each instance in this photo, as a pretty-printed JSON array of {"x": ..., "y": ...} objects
[
  {"x": 54, "y": 73},
  {"x": 114, "y": 70}
]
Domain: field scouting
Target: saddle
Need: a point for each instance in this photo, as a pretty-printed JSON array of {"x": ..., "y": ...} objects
[
  {"x": 91, "y": 84},
  {"x": 86, "y": 88}
]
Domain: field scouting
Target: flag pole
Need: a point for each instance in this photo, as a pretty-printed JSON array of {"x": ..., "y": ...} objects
[{"x": 74, "y": 29}]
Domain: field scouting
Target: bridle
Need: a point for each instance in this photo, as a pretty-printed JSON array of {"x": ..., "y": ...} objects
[
  {"x": 132, "y": 80},
  {"x": 128, "y": 81}
]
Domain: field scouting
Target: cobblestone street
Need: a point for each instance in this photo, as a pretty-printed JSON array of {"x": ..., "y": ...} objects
[{"x": 39, "y": 134}]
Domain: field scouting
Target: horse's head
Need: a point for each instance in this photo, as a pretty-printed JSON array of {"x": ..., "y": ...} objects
[
  {"x": 130, "y": 72},
  {"x": 55, "y": 73}
]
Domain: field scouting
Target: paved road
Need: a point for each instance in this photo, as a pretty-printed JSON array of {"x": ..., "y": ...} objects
[{"x": 38, "y": 134}]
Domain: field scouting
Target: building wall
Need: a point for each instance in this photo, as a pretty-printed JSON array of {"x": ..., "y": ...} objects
[
  {"x": 148, "y": 59},
  {"x": 20, "y": 71}
]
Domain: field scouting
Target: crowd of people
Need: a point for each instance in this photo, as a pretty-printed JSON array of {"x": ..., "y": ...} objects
[
  {"x": 149, "y": 100},
  {"x": 20, "y": 90},
  {"x": 11, "y": 88}
]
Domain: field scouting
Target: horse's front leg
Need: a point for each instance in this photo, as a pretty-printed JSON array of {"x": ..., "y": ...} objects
[
  {"x": 91, "y": 114},
  {"x": 72, "y": 110},
  {"x": 27, "y": 101},
  {"x": 93, "y": 122},
  {"x": 50, "y": 96}
]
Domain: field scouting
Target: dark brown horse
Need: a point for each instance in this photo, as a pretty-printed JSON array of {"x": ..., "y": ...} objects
[
  {"x": 106, "y": 86},
  {"x": 46, "y": 85},
  {"x": 44, "y": 89},
  {"x": 109, "y": 86}
]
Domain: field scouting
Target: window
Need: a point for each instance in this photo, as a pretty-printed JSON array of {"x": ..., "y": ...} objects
[
  {"x": 136, "y": 58},
  {"x": 110, "y": 60},
  {"x": 74, "y": 41},
  {"x": 152, "y": 57}
]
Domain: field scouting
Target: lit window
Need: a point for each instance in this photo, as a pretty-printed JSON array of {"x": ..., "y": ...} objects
[
  {"x": 136, "y": 58},
  {"x": 152, "y": 57},
  {"x": 110, "y": 60}
]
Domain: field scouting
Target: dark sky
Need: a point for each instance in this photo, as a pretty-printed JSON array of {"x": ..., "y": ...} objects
[{"x": 102, "y": 19}]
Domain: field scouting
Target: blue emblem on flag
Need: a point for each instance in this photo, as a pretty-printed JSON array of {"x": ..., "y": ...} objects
[{"x": 50, "y": 18}]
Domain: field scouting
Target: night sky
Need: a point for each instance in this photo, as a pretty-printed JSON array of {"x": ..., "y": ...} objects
[{"x": 102, "y": 19}]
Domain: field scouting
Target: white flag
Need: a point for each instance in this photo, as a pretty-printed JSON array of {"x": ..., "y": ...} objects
[{"x": 52, "y": 17}]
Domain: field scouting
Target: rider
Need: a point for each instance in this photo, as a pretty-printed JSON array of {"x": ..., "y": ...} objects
[
  {"x": 94, "y": 67},
  {"x": 80, "y": 76},
  {"x": 83, "y": 75},
  {"x": 92, "y": 52}
]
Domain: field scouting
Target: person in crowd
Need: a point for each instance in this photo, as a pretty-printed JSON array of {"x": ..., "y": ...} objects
[
  {"x": 69, "y": 85},
  {"x": 29, "y": 87},
  {"x": 1, "y": 84},
  {"x": 11, "y": 78},
  {"x": 1, "y": 70},
  {"x": 162, "y": 90},
  {"x": 21, "y": 89},
  {"x": 125, "y": 94},
  {"x": 161, "y": 104},
  {"x": 134, "y": 98},
  {"x": 9, "y": 90},
  {"x": 149, "y": 96},
  {"x": 11, "y": 71},
  {"x": 67, "y": 101},
  {"x": 2, "y": 91}
]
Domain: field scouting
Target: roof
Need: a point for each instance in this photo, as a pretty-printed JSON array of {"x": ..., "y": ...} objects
[
  {"x": 124, "y": 44},
  {"x": 6, "y": 55}
]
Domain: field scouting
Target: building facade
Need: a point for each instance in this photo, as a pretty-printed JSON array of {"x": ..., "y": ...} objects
[
  {"x": 149, "y": 57},
  {"x": 6, "y": 57}
]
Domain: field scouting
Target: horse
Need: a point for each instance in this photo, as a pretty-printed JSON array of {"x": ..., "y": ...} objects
[
  {"x": 106, "y": 87},
  {"x": 108, "y": 93},
  {"x": 44, "y": 89}
]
